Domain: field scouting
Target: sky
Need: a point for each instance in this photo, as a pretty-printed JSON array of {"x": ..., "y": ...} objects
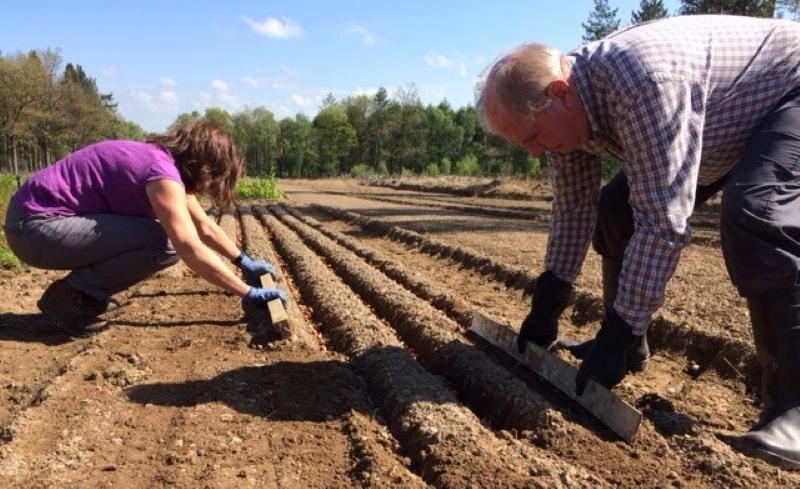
[{"x": 162, "y": 58}]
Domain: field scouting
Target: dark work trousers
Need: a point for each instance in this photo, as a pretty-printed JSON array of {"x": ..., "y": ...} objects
[
  {"x": 107, "y": 253},
  {"x": 615, "y": 228},
  {"x": 760, "y": 213}
]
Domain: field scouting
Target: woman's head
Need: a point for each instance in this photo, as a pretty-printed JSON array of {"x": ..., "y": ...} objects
[{"x": 206, "y": 157}]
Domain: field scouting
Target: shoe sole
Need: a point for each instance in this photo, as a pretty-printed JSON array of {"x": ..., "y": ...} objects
[
  {"x": 768, "y": 456},
  {"x": 83, "y": 331},
  {"x": 639, "y": 367}
]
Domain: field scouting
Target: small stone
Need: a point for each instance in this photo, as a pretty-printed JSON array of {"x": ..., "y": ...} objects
[
  {"x": 242, "y": 474},
  {"x": 109, "y": 468}
]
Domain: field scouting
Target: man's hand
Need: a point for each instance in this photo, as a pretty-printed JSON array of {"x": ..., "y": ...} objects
[
  {"x": 260, "y": 296},
  {"x": 254, "y": 269},
  {"x": 550, "y": 296},
  {"x": 605, "y": 361}
]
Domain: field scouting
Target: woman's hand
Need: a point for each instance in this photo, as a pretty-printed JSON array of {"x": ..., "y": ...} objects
[{"x": 254, "y": 269}]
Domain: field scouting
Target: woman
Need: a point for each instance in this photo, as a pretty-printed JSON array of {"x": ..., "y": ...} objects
[{"x": 116, "y": 212}]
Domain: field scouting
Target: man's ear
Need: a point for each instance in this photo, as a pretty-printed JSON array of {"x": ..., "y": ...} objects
[{"x": 557, "y": 88}]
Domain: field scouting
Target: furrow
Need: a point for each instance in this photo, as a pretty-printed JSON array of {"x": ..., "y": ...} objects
[{"x": 448, "y": 445}]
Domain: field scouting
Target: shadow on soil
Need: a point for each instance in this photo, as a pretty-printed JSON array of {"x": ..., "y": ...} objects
[
  {"x": 32, "y": 328},
  {"x": 285, "y": 391}
]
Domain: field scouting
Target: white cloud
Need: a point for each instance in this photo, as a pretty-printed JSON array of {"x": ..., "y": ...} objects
[
  {"x": 109, "y": 71},
  {"x": 300, "y": 100},
  {"x": 366, "y": 35},
  {"x": 438, "y": 60},
  {"x": 282, "y": 28},
  {"x": 167, "y": 82},
  {"x": 369, "y": 92},
  {"x": 249, "y": 80},
  {"x": 289, "y": 71},
  {"x": 220, "y": 85},
  {"x": 169, "y": 97}
]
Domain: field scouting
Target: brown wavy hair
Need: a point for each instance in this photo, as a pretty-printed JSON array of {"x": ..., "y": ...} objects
[{"x": 206, "y": 157}]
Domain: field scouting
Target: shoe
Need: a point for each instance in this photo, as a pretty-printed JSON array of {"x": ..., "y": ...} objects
[
  {"x": 72, "y": 311},
  {"x": 777, "y": 442},
  {"x": 62, "y": 300},
  {"x": 635, "y": 359},
  {"x": 82, "y": 328}
]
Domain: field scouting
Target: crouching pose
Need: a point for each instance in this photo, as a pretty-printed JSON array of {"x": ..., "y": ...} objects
[
  {"x": 689, "y": 105},
  {"x": 116, "y": 212}
]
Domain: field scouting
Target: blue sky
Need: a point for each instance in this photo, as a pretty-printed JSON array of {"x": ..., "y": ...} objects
[{"x": 163, "y": 58}]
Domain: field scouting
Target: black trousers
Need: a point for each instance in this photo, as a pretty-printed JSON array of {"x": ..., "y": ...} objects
[{"x": 760, "y": 213}]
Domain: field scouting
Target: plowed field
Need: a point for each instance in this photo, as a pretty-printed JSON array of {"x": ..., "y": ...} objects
[{"x": 379, "y": 383}]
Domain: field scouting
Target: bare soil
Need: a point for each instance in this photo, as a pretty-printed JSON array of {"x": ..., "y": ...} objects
[{"x": 377, "y": 383}]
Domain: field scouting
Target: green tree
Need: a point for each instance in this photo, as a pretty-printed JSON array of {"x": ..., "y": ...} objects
[
  {"x": 406, "y": 131},
  {"x": 297, "y": 154},
  {"x": 356, "y": 109},
  {"x": 256, "y": 134},
  {"x": 444, "y": 136},
  {"x": 602, "y": 21},
  {"x": 649, "y": 10},
  {"x": 185, "y": 117},
  {"x": 376, "y": 121},
  {"x": 220, "y": 116},
  {"x": 334, "y": 136}
]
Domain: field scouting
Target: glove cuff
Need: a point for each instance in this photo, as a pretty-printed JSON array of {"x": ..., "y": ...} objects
[
  {"x": 616, "y": 331},
  {"x": 552, "y": 292},
  {"x": 238, "y": 260}
]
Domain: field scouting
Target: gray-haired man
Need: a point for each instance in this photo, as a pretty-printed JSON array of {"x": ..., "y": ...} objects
[{"x": 688, "y": 105}]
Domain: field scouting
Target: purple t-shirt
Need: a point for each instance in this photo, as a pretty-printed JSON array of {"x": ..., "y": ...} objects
[{"x": 102, "y": 178}]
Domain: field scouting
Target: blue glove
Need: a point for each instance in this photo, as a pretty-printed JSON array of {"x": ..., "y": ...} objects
[
  {"x": 260, "y": 296},
  {"x": 605, "y": 362},
  {"x": 254, "y": 269}
]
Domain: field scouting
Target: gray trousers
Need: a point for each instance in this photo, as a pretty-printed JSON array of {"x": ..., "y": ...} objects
[{"x": 107, "y": 253}]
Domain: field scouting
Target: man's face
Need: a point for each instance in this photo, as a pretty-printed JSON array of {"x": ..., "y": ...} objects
[{"x": 562, "y": 127}]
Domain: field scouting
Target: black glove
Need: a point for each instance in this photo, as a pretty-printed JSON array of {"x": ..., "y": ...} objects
[
  {"x": 605, "y": 361},
  {"x": 550, "y": 296}
]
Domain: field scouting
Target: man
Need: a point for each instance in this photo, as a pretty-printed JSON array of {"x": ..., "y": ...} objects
[{"x": 688, "y": 105}]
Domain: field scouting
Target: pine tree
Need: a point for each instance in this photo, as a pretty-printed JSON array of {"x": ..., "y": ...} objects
[
  {"x": 602, "y": 21},
  {"x": 649, "y": 10}
]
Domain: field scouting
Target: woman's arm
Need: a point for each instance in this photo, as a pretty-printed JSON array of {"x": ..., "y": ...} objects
[
  {"x": 170, "y": 204},
  {"x": 209, "y": 232}
]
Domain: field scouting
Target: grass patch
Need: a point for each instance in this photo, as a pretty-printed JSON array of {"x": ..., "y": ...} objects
[
  {"x": 8, "y": 184},
  {"x": 258, "y": 188}
]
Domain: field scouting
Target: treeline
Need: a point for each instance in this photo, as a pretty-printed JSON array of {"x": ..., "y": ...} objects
[
  {"x": 47, "y": 111},
  {"x": 364, "y": 135}
]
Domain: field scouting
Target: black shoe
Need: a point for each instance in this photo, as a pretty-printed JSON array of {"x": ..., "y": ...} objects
[
  {"x": 776, "y": 442},
  {"x": 63, "y": 301},
  {"x": 82, "y": 328},
  {"x": 635, "y": 360},
  {"x": 72, "y": 311}
]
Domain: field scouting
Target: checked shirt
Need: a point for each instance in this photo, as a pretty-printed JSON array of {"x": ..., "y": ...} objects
[{"x": 675, "y": 101}]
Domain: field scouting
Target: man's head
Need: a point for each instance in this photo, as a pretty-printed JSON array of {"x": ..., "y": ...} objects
[{"x": 528, "y": 98}]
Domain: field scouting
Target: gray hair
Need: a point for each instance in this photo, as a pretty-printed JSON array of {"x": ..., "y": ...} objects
[{"x": 518, "y": 81}]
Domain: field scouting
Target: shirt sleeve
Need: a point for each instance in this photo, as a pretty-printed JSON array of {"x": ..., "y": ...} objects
[
  {"x": 575, "y": 178},
  {"x": 163, "y": 169},
  {"x": 661, "y": 133}
]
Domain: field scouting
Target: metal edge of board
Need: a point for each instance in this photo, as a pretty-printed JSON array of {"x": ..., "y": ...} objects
[{"x": 619, "y": 416}]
